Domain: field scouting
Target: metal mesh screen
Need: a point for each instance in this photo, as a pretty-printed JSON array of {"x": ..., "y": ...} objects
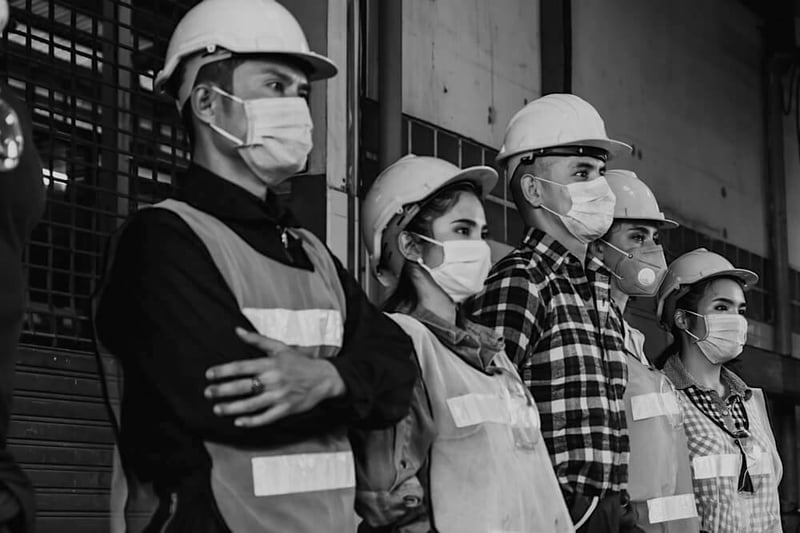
[{"x": 108, "y": 144}]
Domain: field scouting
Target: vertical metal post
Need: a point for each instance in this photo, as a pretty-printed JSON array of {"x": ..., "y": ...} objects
[
  {"x": 390, "y": 81},
  {"x": 354, "y": 253},
  {"x": 555, "y": 30},
  {"x": 776, "y": 205}
]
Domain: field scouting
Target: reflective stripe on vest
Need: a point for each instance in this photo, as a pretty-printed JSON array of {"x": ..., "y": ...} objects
[
  {"x": 304, "y": 327},
  {"x": 671, "y": 508},
  {"x": 654, "y": 404},
  {"x": 717, "y": 465},
  {"x": 305, "y": 472}
]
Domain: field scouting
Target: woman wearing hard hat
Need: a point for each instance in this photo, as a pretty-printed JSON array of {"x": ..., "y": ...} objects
[
  {"x": 472, "y": 439},
  {"x": 661, "y": 491},
  {"x": 735, "y": 464}
]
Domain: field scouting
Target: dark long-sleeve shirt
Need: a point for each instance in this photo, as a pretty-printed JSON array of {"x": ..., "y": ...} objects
[
  {"x": 21, "y": 204},
  {"x": 168, "y": 314}
]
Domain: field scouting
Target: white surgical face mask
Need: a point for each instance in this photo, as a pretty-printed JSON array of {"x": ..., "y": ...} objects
[
  {"x": 278, "y": 136},
  {"x": 592, "y": 211},
  {"x": 640, "y": 271},
  {"x": 464, "y": 269},
  {"x": 725, "y": 336}
]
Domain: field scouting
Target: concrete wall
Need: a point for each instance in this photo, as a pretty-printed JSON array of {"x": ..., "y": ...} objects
[
  {"x": 792, "y": 158},
  {"x": 468, "y": 66},
  {"x": 681, "y": 80}
]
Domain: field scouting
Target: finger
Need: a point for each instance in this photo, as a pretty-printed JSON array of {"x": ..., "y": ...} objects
[
  {"x": 249, "y": 405},
  {"x": 265, "y": 344},
  {"x": 245, "y": 367},
  {"x": 240, "y": 387},
  {"x": 277, "y": 412}
]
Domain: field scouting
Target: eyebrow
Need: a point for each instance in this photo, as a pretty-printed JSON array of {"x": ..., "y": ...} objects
[
  {"x": 727, "y": 301},
  {"x": 583, "y": 165},
  {"x": 467, "y": 221},
  {"x": 284, "y": 77}
]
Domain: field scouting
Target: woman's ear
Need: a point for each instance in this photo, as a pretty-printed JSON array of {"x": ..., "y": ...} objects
[
  {"x": 531, "y": 189},
  {"x": 598, "y": 249},
  {"x": 408, "y": 246}
]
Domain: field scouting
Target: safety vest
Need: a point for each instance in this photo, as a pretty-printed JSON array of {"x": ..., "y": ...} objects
[
  {"x": 306, "y": 486},
  {"x": 489, "y": 467},
  {"x": 716, "y": 464},
  {"x": 660, "y": 478}
]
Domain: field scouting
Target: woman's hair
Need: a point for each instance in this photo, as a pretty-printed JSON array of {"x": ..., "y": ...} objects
[
  {"x": 689, "y": 302},
  {"x": 404, "y": 297}
]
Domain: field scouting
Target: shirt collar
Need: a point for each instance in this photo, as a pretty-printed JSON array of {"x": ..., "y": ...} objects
[
  {"x": 223, "y": 199},
  {"x": 554, "y": 253},
  {"x": 475, "y": 344},
  {"x": 680, "y": 377}
]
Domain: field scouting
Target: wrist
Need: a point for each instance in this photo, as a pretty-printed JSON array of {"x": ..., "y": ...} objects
[{"x": 335, "y": 384}]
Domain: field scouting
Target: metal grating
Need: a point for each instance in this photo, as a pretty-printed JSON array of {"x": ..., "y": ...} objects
[{"x": 108, "y": 144}]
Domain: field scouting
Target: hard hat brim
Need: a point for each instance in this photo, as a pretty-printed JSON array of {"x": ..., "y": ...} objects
[
  {"x": 482, "y": 176},
  {"x": 661, "y": 223},
  {"x": 322, "y": 68},
  {"x": 747, "y": 277},
  {"x": 612, "y": 147}
]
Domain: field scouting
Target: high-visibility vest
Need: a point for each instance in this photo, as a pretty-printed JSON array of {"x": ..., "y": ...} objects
[
  {"x": 489, "y": 467},
  {"x": 306, "y": 486},
  {"x": 716, "y": 465},
  {"x": 659, "y": 475}
]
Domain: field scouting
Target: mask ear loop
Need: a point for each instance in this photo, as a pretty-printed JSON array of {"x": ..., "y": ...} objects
[
  {"x": 621, "y": 251},
  {"x": 226, "y": 134},
  {"x": 705, "y": 321}
]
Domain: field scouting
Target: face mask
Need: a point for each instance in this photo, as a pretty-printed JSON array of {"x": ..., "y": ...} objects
[
  {"x": 278, "y": 136},
  {"x": 638, "y": 273},
  {"x": 465, "y": 267},
  {"x": 592, "y": 211},
  {"x": 725, "y": 336}
]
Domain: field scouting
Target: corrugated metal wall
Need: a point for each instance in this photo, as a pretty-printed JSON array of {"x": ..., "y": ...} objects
[{"x": 85, "y": 68}]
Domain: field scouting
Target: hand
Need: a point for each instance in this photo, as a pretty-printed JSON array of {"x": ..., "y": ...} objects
[{"x": 283, "y": 383}]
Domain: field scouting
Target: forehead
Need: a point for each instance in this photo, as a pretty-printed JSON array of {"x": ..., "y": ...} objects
[
  {"x": 726, "y": 288},
  {"x": 262, "y": 65},
  {"x": 468, "y": 206}
]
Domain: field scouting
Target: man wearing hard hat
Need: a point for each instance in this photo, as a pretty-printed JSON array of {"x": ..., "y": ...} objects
[
  {"x": 247, "y": 348},
  {"x": 661, "y": 489},
  {"x": 22, "y": 197},
  {"x": 553, "y": 303}
]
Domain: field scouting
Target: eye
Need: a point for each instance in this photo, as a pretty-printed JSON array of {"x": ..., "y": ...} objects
[
  {"x": 742, "y": 311},
  {"x": 582, "y": 173},
  {"x": 639, "y": 238},
  {"x": 721, "y": 307},
  {"x": 463, "y": 230},
  {"x": 277, "y": 86},
  {"x": 485, "y": 234}
]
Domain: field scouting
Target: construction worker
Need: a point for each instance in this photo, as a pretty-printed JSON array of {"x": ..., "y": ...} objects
[
  {"x": 660, "y": 491},
  {"x": 247, "y": 348},
  {"x": 471, "y": 449},
  {"x": 735, "y": 464},
  {"x": 22, "y": 197},
  {"x": 553, "y": 305}
]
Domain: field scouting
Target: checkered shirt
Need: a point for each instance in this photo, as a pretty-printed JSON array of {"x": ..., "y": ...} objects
[
  {"x": 722, "y": 508},
  {"x": 567, "y": 342}
]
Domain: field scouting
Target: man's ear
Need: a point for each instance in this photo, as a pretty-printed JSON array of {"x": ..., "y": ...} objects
[
  {"x": 531, "y": 189},
  {"x": 408, "y": 246},
  {"x": 598, "y": 249},
  {"x": 204, "y": 103}
]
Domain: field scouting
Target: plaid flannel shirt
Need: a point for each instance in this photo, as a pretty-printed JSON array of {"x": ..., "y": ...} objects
[
  {"x": 563, "y": 333},
  {"x": 728, "y": 413}
]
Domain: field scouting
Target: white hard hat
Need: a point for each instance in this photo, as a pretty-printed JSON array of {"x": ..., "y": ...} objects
[
  {"x": 556, "y": 120},
  {"x": 394, "y": 200},
  {"x": 688, "y": 269},
  {"x": 635, "y": 200},
  {"x": 221, "y": 28}
]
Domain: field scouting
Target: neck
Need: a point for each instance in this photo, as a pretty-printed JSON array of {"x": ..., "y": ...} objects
[
  {"x": 620, "y": 298},
  {"x": 550, "y": 224},
  {"x": 432, "y": 297},
  {"x": 699, "y": 367},
  {"x": 229, "y": 167}
]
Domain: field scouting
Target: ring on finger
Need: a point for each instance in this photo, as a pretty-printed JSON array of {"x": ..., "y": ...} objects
[{"x": 256, "y": 385}]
